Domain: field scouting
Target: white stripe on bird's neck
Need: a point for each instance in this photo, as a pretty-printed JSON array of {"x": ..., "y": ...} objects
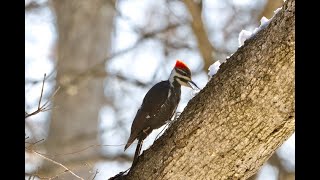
[{"x": 172, "y": 75}]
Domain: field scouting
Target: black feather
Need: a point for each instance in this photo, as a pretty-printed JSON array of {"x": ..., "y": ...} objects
[{"x": 158, "y": 107}]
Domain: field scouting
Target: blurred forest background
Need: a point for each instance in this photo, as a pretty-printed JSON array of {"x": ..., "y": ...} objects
[{"x": 102, "y": 56}]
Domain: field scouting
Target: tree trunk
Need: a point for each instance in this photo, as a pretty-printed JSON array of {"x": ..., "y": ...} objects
[
  {"x": 84, "y": 35},
  {"x": 245, "y": 112}
]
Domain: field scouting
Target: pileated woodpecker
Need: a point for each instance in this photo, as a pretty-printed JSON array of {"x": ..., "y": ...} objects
[{"x": 159, "y": 105}]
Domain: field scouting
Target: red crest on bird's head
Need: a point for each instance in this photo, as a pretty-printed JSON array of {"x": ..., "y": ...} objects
[{"x": 181, "y": 65}]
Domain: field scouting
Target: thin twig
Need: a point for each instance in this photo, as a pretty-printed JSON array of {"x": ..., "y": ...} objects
[
  {"x": 46, "y": 158},
  {"x": 49, "y": 178},
  {"x": 39, "y": 109},
  {"x": 33, "y": 113},
  {"x": 44, "y": 78},
  {"x": 34, "y": 143},
  {"x": 48, "y": 79},
  {"x": 59, "y": 174},
  {"x": 45, "y": 106},
  {"x": 95, "y": 174},
  {"x": 91, "y": 146},
  {"x": 90, "y": 72}
]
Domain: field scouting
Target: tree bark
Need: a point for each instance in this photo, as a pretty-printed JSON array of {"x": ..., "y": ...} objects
[
  {"x": 245, "y": 112},
  {"x": 84, "y": 35}
]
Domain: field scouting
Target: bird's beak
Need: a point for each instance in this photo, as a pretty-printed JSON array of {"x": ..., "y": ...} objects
[{"x": 190, "y": 83}]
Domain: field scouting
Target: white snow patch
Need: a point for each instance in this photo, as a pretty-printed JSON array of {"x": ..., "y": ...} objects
[
  {"x": 277, "y": 10},
  {"x": 268, "y": 172},
  {"x": 264, "y": 22},
  {"x": 243, "y": 35},
  {"x": 229, "y": 56},
  {"x": 213, "y": 69}
]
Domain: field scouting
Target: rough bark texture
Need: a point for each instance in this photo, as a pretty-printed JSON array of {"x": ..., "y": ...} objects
[
  {"x": 84, "y": 32},
  {"x": 245, "y": 112}
]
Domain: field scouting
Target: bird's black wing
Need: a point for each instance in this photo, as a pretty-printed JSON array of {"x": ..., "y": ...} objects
[
  {"x": 155, "y": 97},
  {"x": 151, "y": 105}
]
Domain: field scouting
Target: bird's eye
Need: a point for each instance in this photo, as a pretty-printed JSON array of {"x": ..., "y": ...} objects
[{"x": 182, "y": 72}]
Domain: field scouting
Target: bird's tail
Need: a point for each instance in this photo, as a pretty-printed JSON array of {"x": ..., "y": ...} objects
[
  {"x": 137, "y": 153},
  {"x": 130, "y": 141}
]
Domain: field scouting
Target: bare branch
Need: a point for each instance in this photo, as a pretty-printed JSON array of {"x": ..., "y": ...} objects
[
  {"x": 124, "y": 17},
  {"x": 45, "y": 106},
  {"x": 49, "y": 178},
  {"x": 34, "y": 143},
  {"x": 44, "y": 78},
  {"x": 59, "y": 174},
  {"x": 81, "y": 150},
  {"x": 95, "y": 174},
  {"x": 205, "y": 47},
  {"x": 133, "y": 81},
  {"x": 93, "y": 71},
  {"x": 59, "y": 164},
  {"x": 49, "y": 78}
]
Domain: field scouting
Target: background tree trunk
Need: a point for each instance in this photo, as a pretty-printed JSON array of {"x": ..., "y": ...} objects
[
  {"x": 84, "y": 35},
  {"x": 205, "y": 47},
  {"x": 245, "y": 112},
  {"x": 268, "y": 9}
]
